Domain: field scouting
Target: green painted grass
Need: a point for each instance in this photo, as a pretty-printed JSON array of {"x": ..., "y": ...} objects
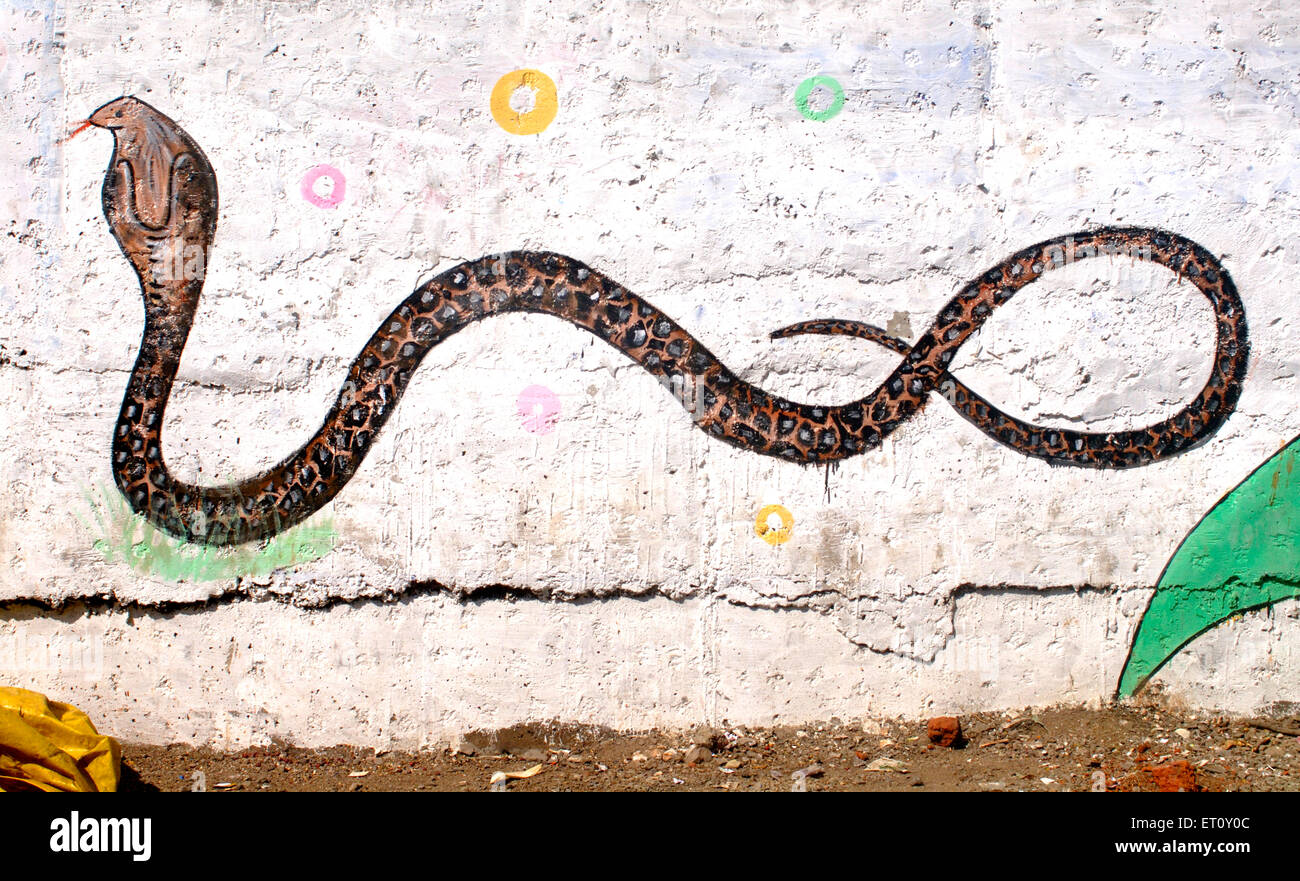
[
  {"x": 123, "y": 536},
  {"x": 1244, "y": 554}
]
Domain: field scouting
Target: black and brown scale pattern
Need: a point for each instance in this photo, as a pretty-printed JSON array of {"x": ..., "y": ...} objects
[
  {"x": 552, "y": 284},
  {"x": 964, "y": 314}
]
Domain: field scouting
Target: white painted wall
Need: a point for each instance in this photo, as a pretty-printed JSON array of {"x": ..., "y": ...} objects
[{"x": 679, "y": 165}]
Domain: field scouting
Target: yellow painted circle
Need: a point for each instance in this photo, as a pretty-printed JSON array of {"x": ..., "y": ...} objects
[
  {"x": 774, "y": 535},
  {"x": 545, "y": 102}
]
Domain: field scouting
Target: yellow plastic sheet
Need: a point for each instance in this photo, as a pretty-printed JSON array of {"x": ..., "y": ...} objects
[{"x": 49, "y": 746}]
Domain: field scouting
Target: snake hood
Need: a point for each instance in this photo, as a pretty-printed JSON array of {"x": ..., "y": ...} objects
[{"x": 159, "y": 186}]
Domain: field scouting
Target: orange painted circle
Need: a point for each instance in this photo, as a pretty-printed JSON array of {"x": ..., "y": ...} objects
[
  {"x": 774, "y": 535},
  {"x": 524, "y": 121}
]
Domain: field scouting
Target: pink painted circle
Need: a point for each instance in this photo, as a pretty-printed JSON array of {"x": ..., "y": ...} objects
[
  {"x": 335, "y": 195},
  {"x": 539, "y": 408}
]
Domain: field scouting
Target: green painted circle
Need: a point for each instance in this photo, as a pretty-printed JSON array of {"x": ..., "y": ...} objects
[{"x": 805, "y": 89}]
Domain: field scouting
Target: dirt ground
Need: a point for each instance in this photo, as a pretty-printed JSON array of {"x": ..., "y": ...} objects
[{"x": 1128, "y": 748}]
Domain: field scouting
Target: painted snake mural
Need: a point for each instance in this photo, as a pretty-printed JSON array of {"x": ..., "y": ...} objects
[{"x": 160, "y": 198}]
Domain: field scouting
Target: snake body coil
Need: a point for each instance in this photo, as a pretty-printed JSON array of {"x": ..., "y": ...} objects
[{"x": 160, "y": 199}]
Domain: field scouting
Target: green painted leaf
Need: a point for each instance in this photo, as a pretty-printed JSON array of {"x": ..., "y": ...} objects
[{"x": 1244, "y": 554}]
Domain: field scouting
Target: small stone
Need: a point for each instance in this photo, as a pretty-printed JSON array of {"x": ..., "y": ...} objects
[
  {"x": 734, "y": 765},
  {"x": 697, "y": 754},
  {"x": 640, "y": 757},
  {"x": 945, "y": 731},
  {"x": 670, "y": 755},
  {"x": 705, "y": 736},
  {"x": 886, "y": 764}
]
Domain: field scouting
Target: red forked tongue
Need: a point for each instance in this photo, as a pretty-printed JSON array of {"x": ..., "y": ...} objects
[{"x": 78, "y": 130}]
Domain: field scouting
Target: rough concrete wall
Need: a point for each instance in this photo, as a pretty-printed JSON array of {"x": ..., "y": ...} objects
[{"x": 941, "y": 570}]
